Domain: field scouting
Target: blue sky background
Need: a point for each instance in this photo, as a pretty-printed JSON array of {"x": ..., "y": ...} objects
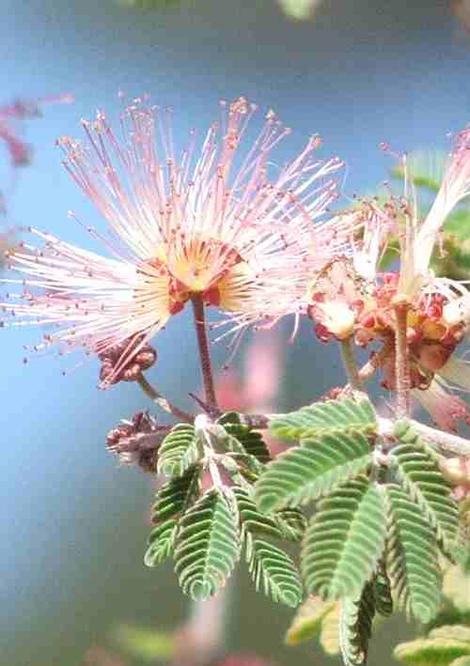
[{"x": 72, "y": 523}]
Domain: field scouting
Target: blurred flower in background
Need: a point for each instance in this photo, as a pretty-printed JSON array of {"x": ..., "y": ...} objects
[
  {"x": 12, "y": 117},
  {"x": 18, "y": 151}
]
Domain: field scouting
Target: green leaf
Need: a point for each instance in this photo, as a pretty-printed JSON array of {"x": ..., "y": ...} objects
[
  {"x": 178, "y": 451},
  {"x": 292, "y": 523},
  {"x": 355, "y": 627},
  {"x": 412, "y": 557},
  {"x": 251, "y": 440},
  {"x": 458, "y": 224},
  {"x": 344, "y": 541},
  {"x": 419, "y": 473},
  {"x": 331, "y": 416},
  {"x": 160, "y": 543},
  {"x": 458, "y": 632},
  {"x": 175, "y": 496},
  {"x": 273, "y": 571},
  {"x": 461, "y": 661},
  {"x": 307, "y": 622},
  {"x": 207, "y": 545},
  {"x": 304, "y": 473},
  {"x": 329, "y": 635},
  {"x": 251, "y": 519},
  {"x": 425, "y": 169},
  {"x": 172, "y": 499},
  {"x": 432, "y": 651},
  {"x": 383, "y": 592},
  {"x": 456, "y": 587}
]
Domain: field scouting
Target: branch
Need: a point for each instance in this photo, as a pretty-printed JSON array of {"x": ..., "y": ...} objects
[
  {"x": 445, "y": 442},
  {"x": 161, "y": 401}
]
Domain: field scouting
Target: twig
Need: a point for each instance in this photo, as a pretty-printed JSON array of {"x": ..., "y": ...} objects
[
  {"x": 350, "y": 365},
  {"x": 370, "y": 367},
  {"x": 161, "y": 401},
  {"x": 445, "y": 442}
]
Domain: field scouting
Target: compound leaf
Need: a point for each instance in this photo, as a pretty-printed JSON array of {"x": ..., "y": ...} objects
[
  {"x": 178, "y": 450},
  {"x": 251, "y": 440},
  {"x": 304, "y": 473},
  {"x": 355, "y": 626},
  {"x": 419, "y": 473},
  {"x": 207, "y": 545},
  {"x": 344, "y": 541},
  {"x": 172, "y": 499},
  {"x": 412, "y": 556},
  {"x": 331, "y": 416},
  {"x": 308, "y": 620}
]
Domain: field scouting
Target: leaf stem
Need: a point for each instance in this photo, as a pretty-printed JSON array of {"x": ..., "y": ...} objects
[
  {"x": 204, "y": 352},
  {"x": 445, "y": 442},
  {"x": 350, "y": 365},
  {"x": 156, "y": 397},
  {"x": 402, "y": 361}
]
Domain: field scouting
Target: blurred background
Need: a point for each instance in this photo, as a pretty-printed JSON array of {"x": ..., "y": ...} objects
[{"x": 74, "y": 523}]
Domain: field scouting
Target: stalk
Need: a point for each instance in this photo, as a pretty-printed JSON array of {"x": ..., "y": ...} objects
[
  {"x": 402, "y": 361},
  {"x": 204, "y": 352},
  {"x": 350, "y": 365},
  {"x": 156, "y": 397}
]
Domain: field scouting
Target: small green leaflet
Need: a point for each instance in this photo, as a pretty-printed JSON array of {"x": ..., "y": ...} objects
[
  {"x": 179, "y": 450},
  {"x": 208, "y": 546},
  {"x": 344, "y": 541},
  {"x": 306, "y": 472},
  {"x": 331, "y": 416}
]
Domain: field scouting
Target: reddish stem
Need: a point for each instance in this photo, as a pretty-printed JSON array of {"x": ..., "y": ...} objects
[
  {"x": 402, "y": 361},
  {"x": 204, "y": 352}
]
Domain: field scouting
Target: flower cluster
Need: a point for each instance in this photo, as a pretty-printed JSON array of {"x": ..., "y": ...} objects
[
  {"x": 216, "y": 225},
  {"x": 224, "y": 227}
]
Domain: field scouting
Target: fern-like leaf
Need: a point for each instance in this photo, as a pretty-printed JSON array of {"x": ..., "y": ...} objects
[
  {"x": 161, "y": 542},
  {"x": 273, "y": 572},
  {"x": 178, "y": 450},
  {"x": 383, "y": 591},
  {"x": 207, "y": 545},
  {"x": 308, "y": 620},
  {"x": 292, "y": 523},
  {"x": 343, "y": 543},
  {"x": 442, "y": 647},
  {"x": 332, "y": 416},
  {"x": 304, "y": 473},
  {"x": 412, "y": 556},
  {"x": 251, "y": 440},
  {"x": 419, "y": 473},
  {"x": 171, "y": 500},
  {"x": 254, "y": 522},
  {"x": 355, "y": 626},
  {"x": 271, "y": 569}
]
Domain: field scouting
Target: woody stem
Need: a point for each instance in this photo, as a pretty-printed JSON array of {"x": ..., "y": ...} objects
[
  {"x": 350, "y": 365},
  {"x": 204, "y": 352},
  {"x": 151, "y": 392},
  {"x": 402, "y": 361}
]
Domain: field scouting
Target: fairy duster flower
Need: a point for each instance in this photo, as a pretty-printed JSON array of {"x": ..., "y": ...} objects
[{"x": 216, "y": 222}]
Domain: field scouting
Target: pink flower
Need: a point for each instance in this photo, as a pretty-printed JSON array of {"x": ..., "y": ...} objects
[
  {"x": 11, "y": 118},
  {"x": 217, "y": 224}
]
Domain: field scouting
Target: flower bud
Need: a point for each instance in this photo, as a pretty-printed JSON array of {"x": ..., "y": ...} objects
[{"x": 337, "y": 318}]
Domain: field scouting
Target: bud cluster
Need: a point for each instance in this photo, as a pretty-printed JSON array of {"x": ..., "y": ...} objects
[{"x": 113, "y": 370}]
